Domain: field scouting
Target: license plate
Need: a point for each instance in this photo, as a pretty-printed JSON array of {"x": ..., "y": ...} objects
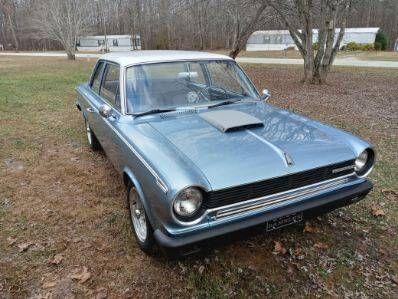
[{"x": 284, "y": 221}]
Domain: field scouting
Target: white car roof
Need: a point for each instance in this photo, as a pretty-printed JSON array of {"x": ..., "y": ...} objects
[{"x": 145, "y": 56}]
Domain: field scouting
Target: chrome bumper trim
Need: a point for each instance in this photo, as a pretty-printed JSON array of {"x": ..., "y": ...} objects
[{"x": 268, "y": 201}]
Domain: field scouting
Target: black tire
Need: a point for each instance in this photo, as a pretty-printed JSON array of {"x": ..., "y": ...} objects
[
  {"x": 145, "y": 241},
  {"x": 91, "y": 138}
]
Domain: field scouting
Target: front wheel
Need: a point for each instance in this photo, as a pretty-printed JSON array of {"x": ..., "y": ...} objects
[{"x": 140, "y": 225}]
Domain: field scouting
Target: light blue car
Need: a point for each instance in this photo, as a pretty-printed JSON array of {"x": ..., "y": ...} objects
[{"x": 202, "y": 153}]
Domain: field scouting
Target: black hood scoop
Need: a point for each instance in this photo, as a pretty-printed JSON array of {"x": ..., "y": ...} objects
[{"x": 231, "y": 120}]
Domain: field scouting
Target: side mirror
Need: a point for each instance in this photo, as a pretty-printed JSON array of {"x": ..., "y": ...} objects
[
  {"x": 105, "y": 111},
  {"x": 265, "y": 95}
]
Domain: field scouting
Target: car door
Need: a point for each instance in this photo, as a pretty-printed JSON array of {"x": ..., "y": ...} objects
[
  {"x": 93, "y": 101},
  {"x": 109, "y": 93}
]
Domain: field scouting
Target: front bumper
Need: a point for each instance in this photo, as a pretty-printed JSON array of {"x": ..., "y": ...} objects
[{"x": 244, "y": 215}]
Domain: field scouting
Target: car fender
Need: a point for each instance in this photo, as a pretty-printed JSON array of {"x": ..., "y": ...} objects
[{"x": 129, "y": 174}]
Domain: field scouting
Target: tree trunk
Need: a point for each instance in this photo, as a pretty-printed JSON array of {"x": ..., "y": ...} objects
[
  {"x": 71, "y": 54},
  {"x": 14, "y": 36},
  {"x": 242, "y": 33},
  {"x": 308, "y": 69},
  {"x": 234, "y": 52}
]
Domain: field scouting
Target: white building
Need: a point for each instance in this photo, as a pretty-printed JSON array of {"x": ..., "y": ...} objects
[
  {"x": 97, "y": 43},
  {"x": 270, "y": 40}
]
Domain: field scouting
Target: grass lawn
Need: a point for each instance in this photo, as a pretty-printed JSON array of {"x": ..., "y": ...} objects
[{"x": 64, "y": 227}]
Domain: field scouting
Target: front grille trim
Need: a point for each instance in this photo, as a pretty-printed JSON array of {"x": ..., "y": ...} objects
[
  {"x": 259, "y": 204},
  {"x": 228, "y": 196}
]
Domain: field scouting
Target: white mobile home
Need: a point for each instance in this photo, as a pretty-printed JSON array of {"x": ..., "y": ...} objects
[
  {"x": 270, "y": 40},
  {"x": 101, "y": 43}
]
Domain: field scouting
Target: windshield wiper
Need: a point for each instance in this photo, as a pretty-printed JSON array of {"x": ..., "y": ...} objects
[
  {"x": 227, "y": 102},
  {"x": 153, "y": 111}
]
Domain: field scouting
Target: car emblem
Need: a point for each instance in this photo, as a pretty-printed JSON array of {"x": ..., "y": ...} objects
[{"x": 289, "y": 160}]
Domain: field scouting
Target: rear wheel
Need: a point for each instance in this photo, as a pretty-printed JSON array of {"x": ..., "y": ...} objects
[
  {"x": 140, "y": 225},
  {"x": 91, "y": 139}
]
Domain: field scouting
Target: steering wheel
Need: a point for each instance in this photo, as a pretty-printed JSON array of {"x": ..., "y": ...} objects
[{"x": 201, "y": 93}]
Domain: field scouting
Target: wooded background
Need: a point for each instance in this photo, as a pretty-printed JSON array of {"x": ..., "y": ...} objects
[{"x": 173, "y": 24}]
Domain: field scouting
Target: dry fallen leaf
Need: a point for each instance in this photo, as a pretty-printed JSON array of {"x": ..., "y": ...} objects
[
  {"x": 56, "y": 260},
  {"x": 279, "y": 249},
  {"x": 394, "y": 280},
  {"x": 376, "y": 211},
  {"x": 290, "y": 269},
  {"x": 389, "y": 193},
  {"x": 101, "y": 293},
  {"x": 49, "y": 284},
  {"x": 310, "y": 229},
  {"x": 24, "y": 246},
  {"x": 82, "y": 276},
  {"x": 321, "y": 245},
  {"x": 201, "y": 269},
  {"x": 11, "y": 241},
  {"x": 47, "y": 295}
]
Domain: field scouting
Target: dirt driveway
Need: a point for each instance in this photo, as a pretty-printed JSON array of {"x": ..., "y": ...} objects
[{"x": 64, "y": 230}]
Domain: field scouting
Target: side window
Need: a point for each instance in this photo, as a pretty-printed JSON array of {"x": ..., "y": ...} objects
[
  {"x": 224, "y": 75},
  {"x": 110, "y": 85},
  {"x": 96, "y": 80},
  {"x": 198, "y": 70}
]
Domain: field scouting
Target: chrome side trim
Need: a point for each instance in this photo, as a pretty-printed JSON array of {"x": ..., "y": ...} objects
[
  {"x": 268, "y": 201},
  {"x": 159, "y": 181}
]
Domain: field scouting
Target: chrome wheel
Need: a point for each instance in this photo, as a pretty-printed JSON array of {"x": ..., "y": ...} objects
[
  {"x": 89, "y": 135},
  {"x": 138, "y": 217}
]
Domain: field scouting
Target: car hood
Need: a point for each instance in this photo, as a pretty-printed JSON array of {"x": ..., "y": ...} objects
[{"x": 286, "y": 143}]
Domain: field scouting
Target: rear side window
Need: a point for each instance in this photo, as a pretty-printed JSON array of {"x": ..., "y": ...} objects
[
  {"x": 96, "y": 80},
  {"x": 110, "y": 85}
]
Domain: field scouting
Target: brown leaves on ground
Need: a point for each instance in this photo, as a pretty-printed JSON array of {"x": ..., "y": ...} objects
[
  {"x": 377, "y": 211},
  {"x": 13, "y": 166},
  {"x": 321, "y": 246},
  {"x": 82, "y": 276},
  {"x": 101, "y": 293},
  {"x": 390, "y": 194},
  {"x": 24, "y": 246},
  {"x": 279, "y": 249},
  {"x": 11, "y": 241},
  {"x": 310, "y": 229},
  {"x": 201, "y": 269},
  {"x": 56, "y": 260},
  {"x": 290, "y": 270},
  {"x": 49, "y": 284}
]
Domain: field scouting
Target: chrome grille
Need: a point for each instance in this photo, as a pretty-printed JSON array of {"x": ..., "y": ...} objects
[{"x": 276, "y": 185}]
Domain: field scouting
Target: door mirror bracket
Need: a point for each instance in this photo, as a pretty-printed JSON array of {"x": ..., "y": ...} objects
[
  {"x": 265, "y": 95},
  {"x": 105, "y": 111}
]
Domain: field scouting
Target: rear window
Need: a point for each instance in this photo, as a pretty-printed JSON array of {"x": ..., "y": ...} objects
[
  {"x": 110, "y": 85},
  {"x": 96, "y": 80}
]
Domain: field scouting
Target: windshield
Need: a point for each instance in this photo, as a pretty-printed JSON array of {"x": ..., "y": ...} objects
[{"x": 171, "y": 85}]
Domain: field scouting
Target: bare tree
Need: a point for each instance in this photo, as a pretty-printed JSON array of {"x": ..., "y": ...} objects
[
  {"x": 301, "y": 17},
  {"x": 245, "y": 20},
  {"x": 192, "y": 24},
  {"x": 8, "y": 7},
  {"x": 63, "y": 21}
]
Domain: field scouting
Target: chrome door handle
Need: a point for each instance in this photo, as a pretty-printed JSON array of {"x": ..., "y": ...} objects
[{"x": 89, "y": 109}]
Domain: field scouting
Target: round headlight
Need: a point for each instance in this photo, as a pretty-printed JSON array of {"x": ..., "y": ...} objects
[
  {"x": 364, "y": 162},
  {"x": 188, "y": 202},
  {"x": 360, "y": 162}
]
